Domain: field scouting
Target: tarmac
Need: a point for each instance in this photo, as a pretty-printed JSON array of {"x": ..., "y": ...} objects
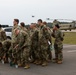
[{"x": 67, "y": 68}]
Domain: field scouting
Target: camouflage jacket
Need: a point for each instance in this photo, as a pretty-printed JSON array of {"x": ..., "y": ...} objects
[
  {"x": 44, "y": 35},
  {"x": 34, "y": 35},
  {"x": 24, "y": 29},
  {"x": 13, "y": 32},
  {"x": 25, "y": 39},
  {"x": 59, "y": 36}
]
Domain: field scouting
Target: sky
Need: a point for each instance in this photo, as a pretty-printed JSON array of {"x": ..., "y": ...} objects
[{"x": 41, "y": 9}]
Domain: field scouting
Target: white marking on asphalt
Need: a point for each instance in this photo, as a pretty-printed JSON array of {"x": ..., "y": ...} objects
[
  {"x": 71, "y": 51},
  {"x": 69, "y": 46}
]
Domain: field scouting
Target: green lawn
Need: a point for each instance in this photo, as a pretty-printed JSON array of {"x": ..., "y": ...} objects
[{"x": 70, "y": 38}]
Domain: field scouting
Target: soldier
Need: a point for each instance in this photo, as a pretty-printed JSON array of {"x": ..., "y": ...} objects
[
  {"x": 58, "y": 44},
  {"x": 44, "y": 37},
  {"x": 17, "y": 49},
  {"x": 15, "y": 26},
  {"x": 50, "y": 43},
  {"x": 22, "y": 25},
  {"x": 34, "y": 42},
  {"x": 2, "y": 38},
  {"x": 6, "y": 45},
  {"x": 25, "y": 50},
  {"x": 2, "y": 34}
]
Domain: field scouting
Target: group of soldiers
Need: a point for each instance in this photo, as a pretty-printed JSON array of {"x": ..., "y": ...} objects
[{"x": 32, "y": 45}]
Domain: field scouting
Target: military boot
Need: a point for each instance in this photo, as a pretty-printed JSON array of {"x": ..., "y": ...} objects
[
  {"x": 59, "y": 62},
  {"x": 36, "y": 61},
  {"x": 44, "y": 63},
  {"x": 19, "y": 65},
  {"x": 39, "y": 62},
  {"x": 27, "y": 66}
]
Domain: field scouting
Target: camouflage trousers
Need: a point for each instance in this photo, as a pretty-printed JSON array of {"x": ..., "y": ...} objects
[
  {"x": 49, "y": 52},
  {"x": 15, "y": 54},
  {"x": 25, "y": 55},
  {"x": 44, "y": 52},
  {"x": 58, "y": 51},
  {"x": 37, "y": 54},
  {"x": 34, "y": 50},
  {"x": 1, "y": 52}
]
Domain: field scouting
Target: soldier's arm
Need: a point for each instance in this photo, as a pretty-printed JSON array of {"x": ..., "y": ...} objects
[{"x": 61, "y": 36}]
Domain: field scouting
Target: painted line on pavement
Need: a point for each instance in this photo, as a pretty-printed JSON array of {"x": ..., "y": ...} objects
[
  {"x": 71, "y": 51},
  {"x": 69, "y": 46}
]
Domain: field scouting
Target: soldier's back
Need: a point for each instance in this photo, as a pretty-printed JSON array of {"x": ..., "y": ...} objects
[{"x": 2, "y": 35}]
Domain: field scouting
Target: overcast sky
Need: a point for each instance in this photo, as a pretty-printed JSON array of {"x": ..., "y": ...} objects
[{"x": 24, "y": 9}]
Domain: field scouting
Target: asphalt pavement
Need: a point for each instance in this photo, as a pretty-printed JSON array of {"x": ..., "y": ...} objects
[{"x": 67, "y": 68}]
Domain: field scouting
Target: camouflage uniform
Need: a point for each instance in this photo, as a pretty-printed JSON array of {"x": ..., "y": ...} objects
[
  {"x": 44, "y": 37},
  {"x": 58, "y": 45},
  {"x": 13, "y": 43},
  {"x": 32, "y": 54},
  {"x": 34, "y": 43},
  {"x": 50, "y": 45},
  {"x": 1, "y": 51},
  {"x": 17, "y": 51},
  {"x": 2, "y": 38},
  {"x": 13, "y": 32},
  {"x": 6, "y": 45},
  {"x": 25, "y": 49}
]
